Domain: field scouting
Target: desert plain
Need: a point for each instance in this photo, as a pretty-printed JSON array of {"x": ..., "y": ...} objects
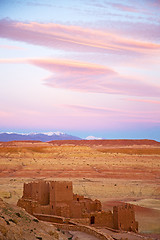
[{"x": 113, "y": 171}]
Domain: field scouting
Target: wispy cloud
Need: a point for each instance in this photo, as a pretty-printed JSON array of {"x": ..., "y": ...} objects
[
  {"x": 135, "y": 6},
  {"x": 87, "y": 77},
  {"x": 73, "y": 38},
  {"x": 144, "y": 100},
  {"x": 38, "y": 4},
  {"x": 92, "y": 78},
  {"x": 104, "y": 110},
  {"x": 124, "y": 7},
  {"x": 116, "y": 115},
  {"x": 11, "y": 47},
  {"x": 140, "y": 30},
  {"x": 93, "y": 109}
]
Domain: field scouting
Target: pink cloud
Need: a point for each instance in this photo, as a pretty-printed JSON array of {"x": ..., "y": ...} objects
[
  {"x": 11, "y": 47},
  {"x": 121, "y": 7},
  {"x": 144, "y": 101},
  {"x": 13, "y": 60},
  {"x": 73, "y": 38},
  {"x": 135, "y": 11},
  {"x": 95, "y": 110},
  {"x": 87, "y": 77},
  {"x": 104, "y": 110},
  {"x": 125, "y": 8},
  {"x": 114, "y": 115}
]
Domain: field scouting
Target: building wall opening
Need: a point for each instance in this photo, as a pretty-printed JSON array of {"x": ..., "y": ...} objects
[{"x": 92, "y": 220}]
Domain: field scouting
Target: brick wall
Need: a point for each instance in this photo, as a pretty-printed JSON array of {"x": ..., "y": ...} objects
[
  {"x": 57, "y": 198},
  {"x": 38, "y": 191},
  {"x": 124, "y": 217}
]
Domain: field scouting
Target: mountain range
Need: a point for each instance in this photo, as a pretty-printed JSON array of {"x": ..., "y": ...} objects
[{"x": 43, "y": 137}]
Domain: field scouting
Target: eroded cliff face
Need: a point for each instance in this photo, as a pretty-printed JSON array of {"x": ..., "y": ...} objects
[{"x": 16, "y": 224}]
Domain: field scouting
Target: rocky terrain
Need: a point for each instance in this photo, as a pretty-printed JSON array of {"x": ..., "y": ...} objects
[{"x": 16, "y": 224}]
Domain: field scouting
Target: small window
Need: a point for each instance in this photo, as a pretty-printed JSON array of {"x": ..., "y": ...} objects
[
  {"x": 52, "y": 206},
  {"x": 67, "y": 186},
  {"x": 78, "y": 199}
]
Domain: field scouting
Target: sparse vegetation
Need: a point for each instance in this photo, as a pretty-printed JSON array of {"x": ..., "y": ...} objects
[
  {"x": 18, "y": 214},
  {"x": 7, "y": 222},
  {"x": 13, "y": 220},
  {"x": 35, "y": 220}
]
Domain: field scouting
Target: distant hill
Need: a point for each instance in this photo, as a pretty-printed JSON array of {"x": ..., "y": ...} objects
[
  {"x": 43, "y": 137},
  {"x": 109, "y": 143}
]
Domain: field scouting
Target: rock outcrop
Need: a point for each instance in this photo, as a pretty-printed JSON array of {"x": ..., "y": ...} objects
[{"x": 17, "y": 224}]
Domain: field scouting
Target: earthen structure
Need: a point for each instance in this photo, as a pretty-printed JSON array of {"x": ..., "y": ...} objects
[{"x": 50, "y": 199}]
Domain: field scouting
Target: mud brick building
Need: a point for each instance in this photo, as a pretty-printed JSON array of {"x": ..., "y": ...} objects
[{"x": 56, "y": 198}]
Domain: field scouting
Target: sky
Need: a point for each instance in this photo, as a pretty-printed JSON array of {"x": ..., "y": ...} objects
[{"x": 83, "y": 67}]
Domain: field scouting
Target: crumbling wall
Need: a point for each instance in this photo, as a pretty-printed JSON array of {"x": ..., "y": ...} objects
[
  {"x": 63, "y": 209},
  {"x": 49, "y": 218},
  {"x": 78, "y": 197},
  {"x": 103, "y": 219},
  {"x": 81, "y": 205},
  {"x": 42, "y": 209},
  {"x": 95, "y": 206},
  {"x": 124, "y": 218},
  {"x": 60, "y": 193},
  {"x": 57, "y": 198},
  {"x": 28, "y": 205},
  {"x": 38, "y": 191},
  {"x": 100, "y": 219},
  {"x": 60, "y": 197},
  {"x": 87, "y": 229}
]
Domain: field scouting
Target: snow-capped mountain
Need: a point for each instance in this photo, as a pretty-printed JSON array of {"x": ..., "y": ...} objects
[
  {"x": 44, "y": 137},
  {"x": 93, "y": 138},
  {"x": 54, "y": 133}
]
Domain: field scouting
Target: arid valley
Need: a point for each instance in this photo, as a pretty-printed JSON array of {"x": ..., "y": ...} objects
[{"x": 112, "y": 171}]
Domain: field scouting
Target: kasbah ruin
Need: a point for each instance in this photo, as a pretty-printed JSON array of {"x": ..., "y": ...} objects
[{"x": 54, "y": 201}]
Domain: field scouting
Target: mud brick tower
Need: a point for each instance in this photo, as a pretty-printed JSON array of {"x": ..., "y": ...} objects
[
  {"x": 56, "y": 198},
  {"x": 124, "y": 218},
  {"x": 61, "y": 197}
]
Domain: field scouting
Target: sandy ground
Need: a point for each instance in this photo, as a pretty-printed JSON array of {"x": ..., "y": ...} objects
[{"x": 110, "y": 173}]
